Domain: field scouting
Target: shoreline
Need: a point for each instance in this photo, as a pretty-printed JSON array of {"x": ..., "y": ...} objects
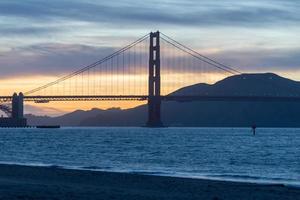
[
  {"x": 233, "y": 179},
  {"x": 35, "y": 182}
]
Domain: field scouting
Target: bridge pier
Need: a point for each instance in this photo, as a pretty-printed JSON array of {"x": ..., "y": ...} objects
[
  {"x": 154, "y": 101},
  {"x": 154, "y": 112}
]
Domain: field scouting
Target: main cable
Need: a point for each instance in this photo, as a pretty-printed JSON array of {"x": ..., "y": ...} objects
[
  {"x": 89, "y": 66},
  {"x": 200, "y": 55}
]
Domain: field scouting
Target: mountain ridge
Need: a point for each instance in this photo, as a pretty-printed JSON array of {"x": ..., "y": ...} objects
[{"x": 227, "y": 114}]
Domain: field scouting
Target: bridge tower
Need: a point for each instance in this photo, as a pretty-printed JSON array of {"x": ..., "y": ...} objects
[
  {"x": 18, "y": 106},
  {"x": 154, "y": 100}
]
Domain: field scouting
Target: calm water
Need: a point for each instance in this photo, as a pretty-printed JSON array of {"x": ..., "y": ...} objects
[{"x": 273, "y": 155}]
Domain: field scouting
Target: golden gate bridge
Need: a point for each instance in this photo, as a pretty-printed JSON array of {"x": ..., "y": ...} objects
[{"x": 150, "y": 69}]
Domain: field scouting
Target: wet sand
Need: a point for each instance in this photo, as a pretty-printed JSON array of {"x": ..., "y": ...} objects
[{"x": 22, "y": 182}]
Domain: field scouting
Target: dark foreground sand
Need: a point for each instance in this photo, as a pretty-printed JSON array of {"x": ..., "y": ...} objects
[{"x": 19, "y": 182}]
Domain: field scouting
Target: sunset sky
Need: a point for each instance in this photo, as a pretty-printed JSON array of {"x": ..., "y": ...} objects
[{"x": 43, "y": 40}]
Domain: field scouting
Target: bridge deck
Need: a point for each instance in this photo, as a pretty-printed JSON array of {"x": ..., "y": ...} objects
[{"x": 45, "y": 99}]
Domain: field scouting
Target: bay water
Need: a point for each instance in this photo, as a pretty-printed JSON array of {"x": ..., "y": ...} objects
[{"x": 271, "y": 156}]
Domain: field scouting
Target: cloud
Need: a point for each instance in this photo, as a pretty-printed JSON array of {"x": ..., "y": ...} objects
[
  {"x": 61, "y": 55},
  {"x": 127, "y": 14},
  {"x": 25, "y": 31},
  {"x": 262, "y": 59},
  {"x": 57, "y": 59},
  {"x": 49, "y": 59}
]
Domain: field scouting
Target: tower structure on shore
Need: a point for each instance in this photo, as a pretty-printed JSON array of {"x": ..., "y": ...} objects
[{"x": 154, "y": 100}]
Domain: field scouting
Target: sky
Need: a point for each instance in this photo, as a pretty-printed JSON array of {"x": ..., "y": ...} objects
[{"x": 43, "y": 40}]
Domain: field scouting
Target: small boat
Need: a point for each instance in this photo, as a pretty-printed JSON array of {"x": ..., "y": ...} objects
[{"x": 55, "y": 126}]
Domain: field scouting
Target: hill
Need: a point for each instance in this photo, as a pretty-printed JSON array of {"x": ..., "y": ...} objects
[{"x": 208, "y": 114}]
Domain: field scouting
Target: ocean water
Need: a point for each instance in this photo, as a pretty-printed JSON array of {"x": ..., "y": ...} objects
[{"x": 272, "y": 156}]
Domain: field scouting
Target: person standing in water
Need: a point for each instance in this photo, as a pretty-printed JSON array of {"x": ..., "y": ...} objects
[{"x": 254, "y": 129}]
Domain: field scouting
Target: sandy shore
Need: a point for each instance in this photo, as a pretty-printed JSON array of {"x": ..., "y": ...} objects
[{"x": 21, "y": 182}]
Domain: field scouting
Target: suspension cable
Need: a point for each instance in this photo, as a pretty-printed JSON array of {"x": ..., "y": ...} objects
[
  {"x": 200, "y": 55},
  {"x": 89, "y": 66}
]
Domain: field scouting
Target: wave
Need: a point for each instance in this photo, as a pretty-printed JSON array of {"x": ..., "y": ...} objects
[
  {"x": 241, "y": 179},
  {"x": 216, "y": 177}
]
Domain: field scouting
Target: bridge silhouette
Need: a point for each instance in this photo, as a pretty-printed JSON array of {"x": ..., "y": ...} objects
[{"x": 150, "y": 69}]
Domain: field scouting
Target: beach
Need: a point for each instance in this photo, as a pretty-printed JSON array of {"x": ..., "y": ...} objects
[{"x": 27, "y": 182}]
